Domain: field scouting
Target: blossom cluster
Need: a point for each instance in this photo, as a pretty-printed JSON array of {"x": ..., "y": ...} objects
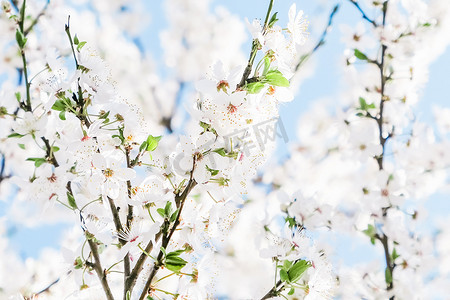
[
  {"x": 145, "y": 205},
  {"x": 370, "y": 166}
]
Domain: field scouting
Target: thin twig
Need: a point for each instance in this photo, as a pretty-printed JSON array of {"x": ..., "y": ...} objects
[
  {"x": 356, "y": 4},
  {"x": 36, "y": 20},
  {"x": 255, "y": 48},
  {"x": 321, "y": 41}
]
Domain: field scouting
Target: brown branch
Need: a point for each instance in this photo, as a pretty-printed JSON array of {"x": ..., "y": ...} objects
[
  {"x": 116, "y": 217},
  {"x": 126, "y": 261},
  {"x": 49, "y": 153},
  {"x": 274, "y": 291},
  {"x": 98, "y": 267},
  {"x": 180, "y": 199},
  {"x": 380, "y": 159},
  {"x": 130, "y": 281}
]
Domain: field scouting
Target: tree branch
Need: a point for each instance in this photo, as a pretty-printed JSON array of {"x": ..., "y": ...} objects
[
  {"x": 356, "y": 4},
  {"x": 255, "y": 48},
  {"x": 274, "y": 291},
  {"x": 321, "y": 41},
  {"x": 98, "y": 267},
  {"x": 180, "y": 199}
]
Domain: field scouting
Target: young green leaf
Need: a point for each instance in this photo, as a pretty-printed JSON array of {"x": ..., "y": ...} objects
[
  {"x": 287, "y": 265},
  {"x": 360, "y": 55},
  {"x": 71, "y": 201},
  {"x": 152, "y": 142},
  {"x": 168, "y": 208},
  {"x": 160, "y": 211},
  {"x": 275, "y": 77},
  {"x": 20, "y": 38},
  {"x": 254, "y": 87},
  {"x": 284, "y": 275},
  {"x": 174, "y": 215},
  {"x": 18, "y": 96},
  {"x": 212, "y": 171},
  {"x": 221, "y": 152},
  {"x": 15, "y": 135},
  {"x": 59, "y": 105},
  {"x": 297, "y": 270},
  {"x": 273, "y": 20},
  {"x": 388, "y": 275},
  {"x": 143, "y": 146},
  {"x": 80, "y": 46},
  {"x": 38, "y": 161},
  {"x": 78, "y": 264}
]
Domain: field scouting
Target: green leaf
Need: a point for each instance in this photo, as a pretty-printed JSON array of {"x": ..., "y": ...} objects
[
  {"x": 362, "y": 103},
  {"x": 275, "y": 77},
  {"x": 80, "y": 46},
  {"x": 297, "y": 270},
  {"x": 168, "y": 208},
  {"x": 284, "y": 275},
  {"x": 160, "y": 211},
  {"x": 71, "y": 200},
  {"x": 287, "y": 265},
  {"x": 18, "y": 96},
  {"x": 76, "y": 41},
  {"x": 394, "y": 255},
  {"x": 38, "y": 161},
  {"x": 78, "y": 264},
  {"x": 291, "y": 291},
  {"x": 273, "y": 20},
  {"x": 20, "y": 38},
  {"x": 175, "y": 253},
  {"x": 212, "y": 171},
  {"x": 152, "y": 142},
  {"x": 360, "y": 55},
  {"x": 143, "y": 146},
  {"x": 174, "y": 263},
  {"x": 15, "y": 135},
  {"x": 254, "y": 87},
  {"x": 174, "y": 268},
  {"x": 173, "y": 217},
  {"x": 291, "y": 221},
  {"x": 220, "y": 151},
  {"x": 370, "y": 231},
  {"x": 55, "y": 149},
  {"x": 62, "y": 115},
  {"x": 59, "y": 105},
  {"x": 388, "y": 275},
  {"x": 21, "y": 146}
]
